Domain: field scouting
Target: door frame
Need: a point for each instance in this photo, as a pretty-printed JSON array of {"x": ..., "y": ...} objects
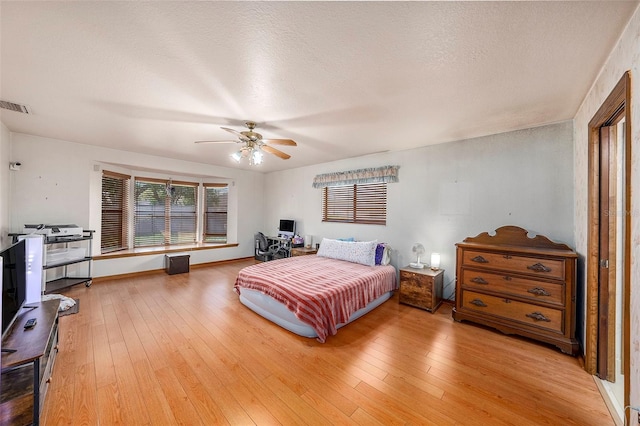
[{"x": 619, "y": 100}]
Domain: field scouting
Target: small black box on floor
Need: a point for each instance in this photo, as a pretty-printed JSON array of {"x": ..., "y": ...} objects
[{"x": 176, "y": 263}]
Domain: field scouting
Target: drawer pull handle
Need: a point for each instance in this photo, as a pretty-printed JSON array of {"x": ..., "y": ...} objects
[
  {"x": 506, "y": 256},
  {"x": 479, "y": 259},
  {"x": 479, "y": 280},
  {"x": 478, "y": 302},
  {"x": 539, "y": 267},
  {"x": 507, "y": 278},
  {"x": 538, "y": 316},
  {"x": 539, "y": 291}
]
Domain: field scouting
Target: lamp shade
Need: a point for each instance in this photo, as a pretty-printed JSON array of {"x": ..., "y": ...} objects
[
  {"x": 256, "y": 157},
  {"x": 435, "y": 260}
]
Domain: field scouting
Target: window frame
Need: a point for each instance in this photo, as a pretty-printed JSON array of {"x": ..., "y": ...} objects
[
  {"x": 127, "y": 227},
  {"x": 207, "y": 237},
  {"x": 167, "y": 233},
  {"x": 118, "y": 230}
]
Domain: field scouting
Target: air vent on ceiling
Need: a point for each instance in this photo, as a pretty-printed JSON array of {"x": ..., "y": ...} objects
[{"x": 11, "y": 106}]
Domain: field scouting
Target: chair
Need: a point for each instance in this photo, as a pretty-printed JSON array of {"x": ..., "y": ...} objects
[{"x": 264, "y": 251}]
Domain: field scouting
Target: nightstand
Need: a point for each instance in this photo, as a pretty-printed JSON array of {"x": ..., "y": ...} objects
[
  {"x": 421, "y": 288},
  {"x": 303, "y": 251}
]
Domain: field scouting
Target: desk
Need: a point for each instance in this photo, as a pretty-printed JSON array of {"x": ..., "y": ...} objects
[{"x": 284, "y": 246}]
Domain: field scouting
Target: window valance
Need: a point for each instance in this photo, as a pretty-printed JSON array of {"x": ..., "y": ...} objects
[{"x": 386, "y": 174}]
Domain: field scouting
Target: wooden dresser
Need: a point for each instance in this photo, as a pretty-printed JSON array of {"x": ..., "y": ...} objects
[{"x": 518, "y": 285}]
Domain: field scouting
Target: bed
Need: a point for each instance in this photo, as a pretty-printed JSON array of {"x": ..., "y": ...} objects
[{"x": 313, "y": 296}]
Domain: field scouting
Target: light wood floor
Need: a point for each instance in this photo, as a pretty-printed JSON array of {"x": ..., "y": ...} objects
[{"x": 181, "y": 349}]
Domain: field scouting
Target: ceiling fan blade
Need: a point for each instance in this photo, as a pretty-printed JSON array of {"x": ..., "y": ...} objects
[
  {"x": 235, "y": 132},
  {"x": 276, "y": 152},
  {"x": 217, "y": 141},
  {"x": 287, "y": 142}
]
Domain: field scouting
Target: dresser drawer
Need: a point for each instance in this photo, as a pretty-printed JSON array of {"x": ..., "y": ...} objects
[
  {"x": 415, "y": 290},
  {"x": 526, "y": 313},
  {"x": 551, "y": 268},
  {"x": 510, "y": 285},
  {"x": 414, "y": 278},
  {"x": 410, "y": 296}
]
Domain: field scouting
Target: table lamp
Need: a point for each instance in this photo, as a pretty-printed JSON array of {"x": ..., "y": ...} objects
[{"x": 435, "y": 261}]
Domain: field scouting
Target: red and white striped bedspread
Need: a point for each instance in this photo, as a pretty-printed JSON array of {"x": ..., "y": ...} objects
[{"x": 321, "y": 292}]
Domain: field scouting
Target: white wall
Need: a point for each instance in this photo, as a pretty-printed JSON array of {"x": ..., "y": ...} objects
[
  {"x": 447, "y": 192},
  {"x": 625, "y": 56},
  {"x": 5, "y": 179},
  {"x": 59, "y": 183}
]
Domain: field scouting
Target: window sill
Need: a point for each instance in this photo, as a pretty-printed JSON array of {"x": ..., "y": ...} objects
[{"x": 146, "y": 251}]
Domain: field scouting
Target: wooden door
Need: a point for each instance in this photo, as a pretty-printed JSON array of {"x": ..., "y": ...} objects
[
  {"x": 609, "y": 240},
  {"x": 607, "y": 254}
]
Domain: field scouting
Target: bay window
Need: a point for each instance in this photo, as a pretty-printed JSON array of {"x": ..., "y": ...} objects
[{"x": 149, "y": 212}]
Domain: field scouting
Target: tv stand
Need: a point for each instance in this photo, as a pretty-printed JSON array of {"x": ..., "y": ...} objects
[{"x": 26, "y": 371}]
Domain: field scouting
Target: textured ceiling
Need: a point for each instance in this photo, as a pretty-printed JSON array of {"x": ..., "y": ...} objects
[{"x": 343, "y": 79}]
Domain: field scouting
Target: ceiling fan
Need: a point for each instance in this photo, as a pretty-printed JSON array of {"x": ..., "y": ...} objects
[{"x": 254, "y": 144}]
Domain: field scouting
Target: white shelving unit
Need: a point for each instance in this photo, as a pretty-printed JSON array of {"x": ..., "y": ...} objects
[{"x": 59, "y": 253}]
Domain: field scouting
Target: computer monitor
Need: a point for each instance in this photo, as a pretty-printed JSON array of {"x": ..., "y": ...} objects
[{"x": 287, "y": 228}]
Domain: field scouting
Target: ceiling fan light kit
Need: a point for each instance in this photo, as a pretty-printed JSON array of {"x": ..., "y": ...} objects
[
  {"x": 254, "y": 145},
  {"x": 252, "y": 151}
]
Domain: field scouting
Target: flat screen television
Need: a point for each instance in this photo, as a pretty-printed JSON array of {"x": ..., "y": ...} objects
[
  {"x": 287, "y": 228},
  {"x": 14, "y": 283}
]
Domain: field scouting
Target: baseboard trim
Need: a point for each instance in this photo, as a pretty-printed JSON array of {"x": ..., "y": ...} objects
[{"x": 607, "y": 401}]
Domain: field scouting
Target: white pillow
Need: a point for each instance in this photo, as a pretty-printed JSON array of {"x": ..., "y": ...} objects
[
  {"x": 386, "y": 256},
  {"x": 383, "y": 254},
  {"x": 363, "y": 252}
]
